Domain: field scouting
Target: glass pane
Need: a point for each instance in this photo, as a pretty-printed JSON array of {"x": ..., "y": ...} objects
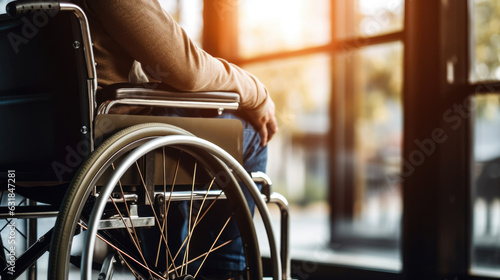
[
  {"x": 3, "y": 3},
  {"x": 485, "y": 186},
  {"x": 485, "y": 40},
  {"x": 189, "y": 15},
  {"x": 298, "y": 156},
  {"x": 370, "y": 83},
  {"x": 368, "y": 17},
  {"x": 282, "y": 25},
  {"x": 300, "y": 88}
]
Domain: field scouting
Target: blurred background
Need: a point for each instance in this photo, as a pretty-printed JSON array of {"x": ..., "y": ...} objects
[{"x": 335, "y": 71}]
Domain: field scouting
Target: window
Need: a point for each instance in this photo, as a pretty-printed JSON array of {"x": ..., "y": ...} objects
[
  {"x": 365, "y": 18},
  {"x": 334, "y": 69},
  {"x": 298, "y": 25},
  {"x": 287, "y": 45},
  {"x": 188, "y": 13},
  {"x": 300, "y": 88},
  {"x": 368, "y": 127},
  {"x": 452, "y": 85},
  {"x": 485, "y": 192},
  {"x": 3, "y": 3},
  {"x": 485, "y": 186},
  {"x": 485, "y": 59}
]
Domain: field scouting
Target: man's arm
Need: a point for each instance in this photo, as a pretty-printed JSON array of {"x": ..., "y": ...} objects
[{"x": 151, "y": 36}]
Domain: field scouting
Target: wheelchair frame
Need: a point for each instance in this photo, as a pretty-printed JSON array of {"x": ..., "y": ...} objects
[{"x": 147, "y": 97}]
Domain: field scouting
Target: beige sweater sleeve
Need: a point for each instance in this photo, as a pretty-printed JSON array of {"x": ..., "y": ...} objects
[{"x": 140, "y": 30}]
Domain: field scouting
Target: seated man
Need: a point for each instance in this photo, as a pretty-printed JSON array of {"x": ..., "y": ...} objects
[{"x": 125, "y": 31}]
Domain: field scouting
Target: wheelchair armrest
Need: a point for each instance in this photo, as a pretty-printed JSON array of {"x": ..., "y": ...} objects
[
  {"x": 20, "y": 8},
  {"x": 266, "y": 183},
  {"x": 158, "y": 95}
]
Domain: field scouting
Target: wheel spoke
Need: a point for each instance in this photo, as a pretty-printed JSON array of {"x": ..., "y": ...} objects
[
  {"x": 162, "y": 234},
  {"x": 186, "y": 253},
  {"x": 128, "y": 265},
  {"x": 128, "y": 211},
  {"x": 134, "y": 237},
  {"x": 168, "y": 253},
  {"x": 210, "y": 251},
  {"x": 151, "y": 204},
  {"x": 213, "y": 244},
  {"x": 202, "y": 204},
  {"x": 201, "y": 218},
  {"x": 163, "y": 231},
  {"x": 164, "y": 210},
  {"x": 124, "y": 253},
  {"x": 137, "y": 246}
]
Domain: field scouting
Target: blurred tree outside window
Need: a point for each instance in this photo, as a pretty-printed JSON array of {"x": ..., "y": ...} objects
[{"x": 485, "y": 55}]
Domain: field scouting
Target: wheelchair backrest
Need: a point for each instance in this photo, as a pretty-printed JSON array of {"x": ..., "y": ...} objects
[{"x": 44, "y": 115}]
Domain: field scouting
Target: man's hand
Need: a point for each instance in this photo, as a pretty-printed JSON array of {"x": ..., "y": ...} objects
[{"x": 265, "y": 122}]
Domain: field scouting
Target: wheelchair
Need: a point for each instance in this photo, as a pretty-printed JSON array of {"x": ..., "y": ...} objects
[{"x": 119, "y": 185}]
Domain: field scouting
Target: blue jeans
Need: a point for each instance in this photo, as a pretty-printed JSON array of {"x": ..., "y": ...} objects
[{"x": 231, "y": 257}]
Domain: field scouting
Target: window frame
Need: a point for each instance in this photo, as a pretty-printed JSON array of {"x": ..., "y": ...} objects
[{"x": 437, "y": 222}]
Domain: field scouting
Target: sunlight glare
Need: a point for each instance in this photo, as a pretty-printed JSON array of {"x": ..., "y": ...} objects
[{"x": 280, "y": 17}]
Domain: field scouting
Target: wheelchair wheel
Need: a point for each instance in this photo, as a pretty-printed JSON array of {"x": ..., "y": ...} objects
[{"x": 144, "y": 219}]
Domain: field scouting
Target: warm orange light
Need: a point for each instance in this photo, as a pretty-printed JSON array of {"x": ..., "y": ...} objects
[{"x": 279, "y": 25}]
